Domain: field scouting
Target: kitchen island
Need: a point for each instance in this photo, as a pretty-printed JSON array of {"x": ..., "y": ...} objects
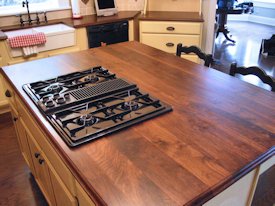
[{"x": 220, "y": 130}]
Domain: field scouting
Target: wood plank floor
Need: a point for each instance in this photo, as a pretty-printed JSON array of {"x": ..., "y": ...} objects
[
  {"x": 245, "y": 51},
  {"x": 18, "y": 186}
]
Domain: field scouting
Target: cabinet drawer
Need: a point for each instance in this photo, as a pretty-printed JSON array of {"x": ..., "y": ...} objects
[
  {"x": 168, "y": 43},
  {"x": 45, "y": 145},
  {"x": 170, "y": 27}
]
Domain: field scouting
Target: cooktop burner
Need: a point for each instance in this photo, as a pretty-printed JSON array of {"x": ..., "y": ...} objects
[{"x": 89, "y": 104}]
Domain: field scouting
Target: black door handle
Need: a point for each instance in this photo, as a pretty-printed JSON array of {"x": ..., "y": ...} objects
[
  {"x": 169, "y": 44},
  {"x": 41, "y": 161},
  {"x": 8, "y": 93},
  {"x": 170, "y": 28},
  {"x": 36, "y": 155}
]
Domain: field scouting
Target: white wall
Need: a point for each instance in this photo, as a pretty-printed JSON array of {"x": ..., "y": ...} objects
[
  {"x": 264, "y": 13},
  {"x": 209, "y": 12}
]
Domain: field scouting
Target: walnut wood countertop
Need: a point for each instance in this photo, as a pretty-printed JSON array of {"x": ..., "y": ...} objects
[
  {"x": 83, "y": 22},
  {"x": 171, "y": 16},
  {"x": 219, "y": 130}
]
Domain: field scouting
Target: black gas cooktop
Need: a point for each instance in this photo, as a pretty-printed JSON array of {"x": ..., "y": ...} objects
[{"x": 89, "y": 104}]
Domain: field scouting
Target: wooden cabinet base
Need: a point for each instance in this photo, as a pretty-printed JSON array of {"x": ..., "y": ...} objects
[
  {"x": 4, "y": 107},
  {"x": 52, "y": 176}
]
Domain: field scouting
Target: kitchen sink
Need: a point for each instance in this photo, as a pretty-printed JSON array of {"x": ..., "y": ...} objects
[{"x": 57, "y": 36}]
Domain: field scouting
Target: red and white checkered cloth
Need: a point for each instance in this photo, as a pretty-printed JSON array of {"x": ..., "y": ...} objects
[{"x": 27, "y": 40}]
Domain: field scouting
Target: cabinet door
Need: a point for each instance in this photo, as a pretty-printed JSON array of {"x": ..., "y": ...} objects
[
  {"x": 61, "y": 193},
  {"x": 237, "y": 194},
  {"x": 3, "y": 100},
  {"x": 22, "y": 140},
  {"x": 42, "y": 174},
  {"x": 263, "y": 190},
  {"x": 83, "y": 198}
]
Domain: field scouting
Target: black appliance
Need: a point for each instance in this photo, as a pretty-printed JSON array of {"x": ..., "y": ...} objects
[
  {"x": 268, "y": 46},
  {"x": 107, "y": 33},
  {"x": 89, "y": 104}
]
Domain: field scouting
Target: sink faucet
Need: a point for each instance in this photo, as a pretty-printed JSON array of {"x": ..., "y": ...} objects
[{"x": 27, "y": 5}]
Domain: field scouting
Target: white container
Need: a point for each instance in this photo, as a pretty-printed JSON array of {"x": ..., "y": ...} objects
[
  {"x": 76, "y": 9},
  {"x": 57, "y": 36}
]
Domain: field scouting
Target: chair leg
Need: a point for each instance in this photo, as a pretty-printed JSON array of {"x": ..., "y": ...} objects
[{"x": 226, "y": 36}]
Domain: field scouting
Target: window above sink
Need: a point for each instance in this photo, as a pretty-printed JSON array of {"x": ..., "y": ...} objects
[{"x": 14, "y": 7}]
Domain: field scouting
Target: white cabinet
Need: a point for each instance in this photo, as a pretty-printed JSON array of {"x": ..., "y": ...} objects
[
  {"x": 42, "y": 174},
  {"x": 83, "y": 198},
  {"x": 241, "y": 192},
  {"x": 165, "y": 35},
  {"x": 51, "y": 174},
  {"x": 3, "y": 100},
  {"x": 237, "y": 194}
]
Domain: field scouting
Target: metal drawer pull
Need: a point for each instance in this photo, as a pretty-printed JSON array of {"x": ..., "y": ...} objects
[
  {"x": 41, "y": 161},
  {"x": 8, "y": 93},
  {"x": 170, "y": 28},
  {"x": 170, "y": 44}
]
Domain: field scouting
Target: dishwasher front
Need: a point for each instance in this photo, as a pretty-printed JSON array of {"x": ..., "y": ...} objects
[{"x": 110, "y": 33}]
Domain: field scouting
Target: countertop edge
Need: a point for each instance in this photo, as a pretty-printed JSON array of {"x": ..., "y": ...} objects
[{"x": 212, "y": 192}]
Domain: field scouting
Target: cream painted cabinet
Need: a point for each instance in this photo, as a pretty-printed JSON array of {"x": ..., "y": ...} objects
[
  {"x": 22, "y": 139},
  {"x": 4, "y": 56},
  {"x": 165, "y": 35},
  {"x": 61, "y": 193},
  {"x": 42, "y": 174},
  {"x": 49, "y": 181},
  {"x": 3, "y": 100},
  {"x": 241, "y": 192},
  {"x": 83, "y": 198},
  {"x": 51, "y": 174},
  {"x": 237, "y": 194}
]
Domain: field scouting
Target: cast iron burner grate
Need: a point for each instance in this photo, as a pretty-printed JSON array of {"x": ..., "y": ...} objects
[
  {"x": 102, "y": 88},
  {"x": 86, "y": 105}
]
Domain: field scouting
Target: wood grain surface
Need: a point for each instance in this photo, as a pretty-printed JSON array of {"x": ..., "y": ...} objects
[{"x": 219, "y": 130}]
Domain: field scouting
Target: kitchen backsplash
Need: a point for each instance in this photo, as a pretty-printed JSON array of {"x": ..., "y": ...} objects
[
  {"x": 123, "y": 5},
  {"x": 136, "y": 5}
]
